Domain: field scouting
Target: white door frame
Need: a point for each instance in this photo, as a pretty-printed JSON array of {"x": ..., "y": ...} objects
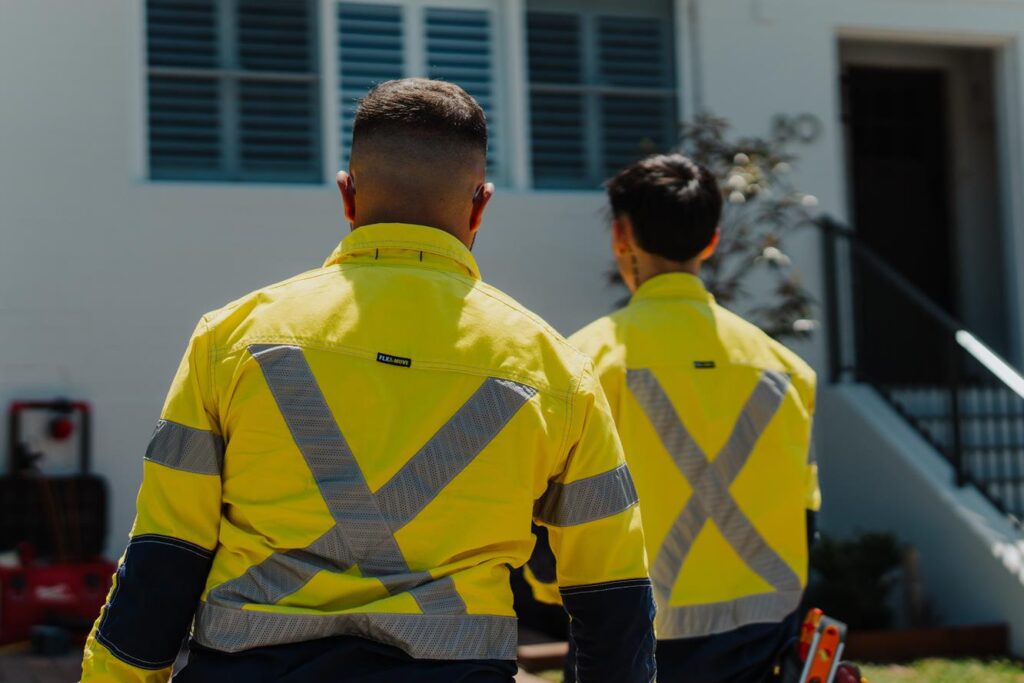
[{"x": 1009, "y": 94}]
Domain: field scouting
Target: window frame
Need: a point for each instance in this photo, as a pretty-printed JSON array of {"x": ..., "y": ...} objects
[
  {"x": 511, "y": 82},
  {"x": 591, "y": 90},
  {"x": 414, "y": 25},
  {"x": 229, "y": 75}
]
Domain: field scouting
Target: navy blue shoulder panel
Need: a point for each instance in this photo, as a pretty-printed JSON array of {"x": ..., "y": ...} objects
[
  {"x": 150, "y": 612},
  {"x": 612, "y": 628}
]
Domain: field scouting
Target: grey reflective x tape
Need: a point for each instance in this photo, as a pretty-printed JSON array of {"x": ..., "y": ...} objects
[
  {"x": 721, "y": 617},
  {"x": 334, "y": 467},
  {"x": 183, "y": 448},
  {"x": 365, "y": 521},
  {"x": 440, "y": 597},
  {"x": 282, "y": 574},
  {"x": 451, "y": 449},
  {"x": 587, "y": 500},
  {"x": 712, "y": 500},
  {"x": 453, "y": 637}
]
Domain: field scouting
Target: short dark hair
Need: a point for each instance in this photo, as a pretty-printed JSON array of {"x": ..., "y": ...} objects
[
  {"x": 673, "y": 203},
  {"x": 424, "y": 109}
]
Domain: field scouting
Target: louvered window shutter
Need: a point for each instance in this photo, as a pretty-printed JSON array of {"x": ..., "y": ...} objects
[
  {"x": 601, "y": 93},
  {"x": 370, "y": 50},
  {"x": 380, "y": 42},
  {"x": 458, "y": 49},
  {"x": 184, "y": 112},
  {"x": 233, "y": 90},
  {"x": 635, "y": 53},
  {"x": 558, "y": 136},
  {"x": 278, "y": 114}
]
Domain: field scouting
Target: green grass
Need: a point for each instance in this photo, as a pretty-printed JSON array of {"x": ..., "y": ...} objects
[
  {"x": 925, "y": 671},
  {"x": 946, "y": 671}
]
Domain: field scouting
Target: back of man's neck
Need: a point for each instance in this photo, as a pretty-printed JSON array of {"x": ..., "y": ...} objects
[
  {"x": 408, "y": 219},
  {"x": 655, "y": 266}
]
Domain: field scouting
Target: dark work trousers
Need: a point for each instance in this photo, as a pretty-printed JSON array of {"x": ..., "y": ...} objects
[
  {"x": 341, "y": 659},
  {"x": 745, "y": 655}
]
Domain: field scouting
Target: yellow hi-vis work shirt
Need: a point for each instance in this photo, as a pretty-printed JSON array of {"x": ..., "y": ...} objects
[
  {"x": 715, "y": 419},
  {"x": 360, "y": 450}
]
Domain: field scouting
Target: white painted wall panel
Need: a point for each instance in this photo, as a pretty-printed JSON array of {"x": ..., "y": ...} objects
[{"x": 103, "y": 275}]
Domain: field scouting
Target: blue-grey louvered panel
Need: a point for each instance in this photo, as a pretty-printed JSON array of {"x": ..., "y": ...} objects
[
  {"x": 634, "y": 52},
  {"x": 278, "y": 130},
  {"x": 554, "y": 48},
  {"x": 370, "y": 50},
  {"x": 558, "y": 140},
  {"x": 276, "y": 35},
  {"x": 458, "y": 44},
  {"x": 558, "y": 133},
  {"x": 181, "y": 33},
  {"x": 184, "y": 126},
  {"x": 634, "y": 126}
]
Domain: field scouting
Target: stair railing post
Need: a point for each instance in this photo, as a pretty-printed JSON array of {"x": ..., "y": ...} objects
[
  {"x": 832, "y": 297},
  {"x": 957, "y": 454}
]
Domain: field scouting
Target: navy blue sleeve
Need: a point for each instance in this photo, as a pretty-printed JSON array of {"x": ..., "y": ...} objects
[
  {"x": 812, "y": 529},
  {"x": 158, "y": 587},
  {"x": 611, "y": 626},
  {"x": 542, "y": 561}
]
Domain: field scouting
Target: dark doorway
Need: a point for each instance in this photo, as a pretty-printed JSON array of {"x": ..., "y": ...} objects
[{"x": 897, "y": 132}]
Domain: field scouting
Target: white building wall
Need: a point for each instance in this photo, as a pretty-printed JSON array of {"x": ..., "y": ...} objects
[
  {"x": 880, "y": 475},
  {"x": 759, "y": 58},
  {"x": 103, "y": 275}
]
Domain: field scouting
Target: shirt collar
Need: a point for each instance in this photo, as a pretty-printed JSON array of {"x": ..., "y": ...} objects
[
  {"x": 405, "y": 237},
  {"x": 672, "y": 286}
]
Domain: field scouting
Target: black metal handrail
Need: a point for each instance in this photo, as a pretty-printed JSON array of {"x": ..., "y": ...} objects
[{"x": 885, "y": 331}]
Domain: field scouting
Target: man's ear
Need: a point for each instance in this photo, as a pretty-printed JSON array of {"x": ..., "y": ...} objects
[
  {"x": 480, "y": 200},
  {"x": 709, "y": 250},
  {"x": 347, "y": 188},
  {"x": 622, "y": 235}
]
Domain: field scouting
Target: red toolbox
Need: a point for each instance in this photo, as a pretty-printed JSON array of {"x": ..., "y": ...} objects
[
  {"x": 52, "y": 528},
  {"x": 67, "y": 595}
]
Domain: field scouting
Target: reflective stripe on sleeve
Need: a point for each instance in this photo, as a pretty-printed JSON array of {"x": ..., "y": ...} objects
[
  {"x": 184, "y": 448},
  {"x": 587, "y": 500}
]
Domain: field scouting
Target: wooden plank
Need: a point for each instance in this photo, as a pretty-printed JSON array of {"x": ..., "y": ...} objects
[
  {"x": 543, "y": 656},
  {"x": 952, "y": 642}
]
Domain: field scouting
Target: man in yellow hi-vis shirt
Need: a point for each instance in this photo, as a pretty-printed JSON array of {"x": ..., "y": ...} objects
[
  {"x": 715, "y": 418},
  {"x": 348, "y": 462}
]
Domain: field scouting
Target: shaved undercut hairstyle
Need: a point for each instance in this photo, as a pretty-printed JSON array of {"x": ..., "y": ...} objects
[
  {"x": 420, "y": 116},
  {"x": 673, "y": 203}
]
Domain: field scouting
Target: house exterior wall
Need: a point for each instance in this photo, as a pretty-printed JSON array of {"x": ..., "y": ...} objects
[
  {"x": 760, "y": 58},
  {"x": 103, "y": 273},
  {"x": 880, "y": 475}
]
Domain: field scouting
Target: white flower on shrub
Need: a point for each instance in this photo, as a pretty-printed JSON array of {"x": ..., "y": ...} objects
[
  {"x": 737, "y": 181},
  {"x": 775, "y": 256}
]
